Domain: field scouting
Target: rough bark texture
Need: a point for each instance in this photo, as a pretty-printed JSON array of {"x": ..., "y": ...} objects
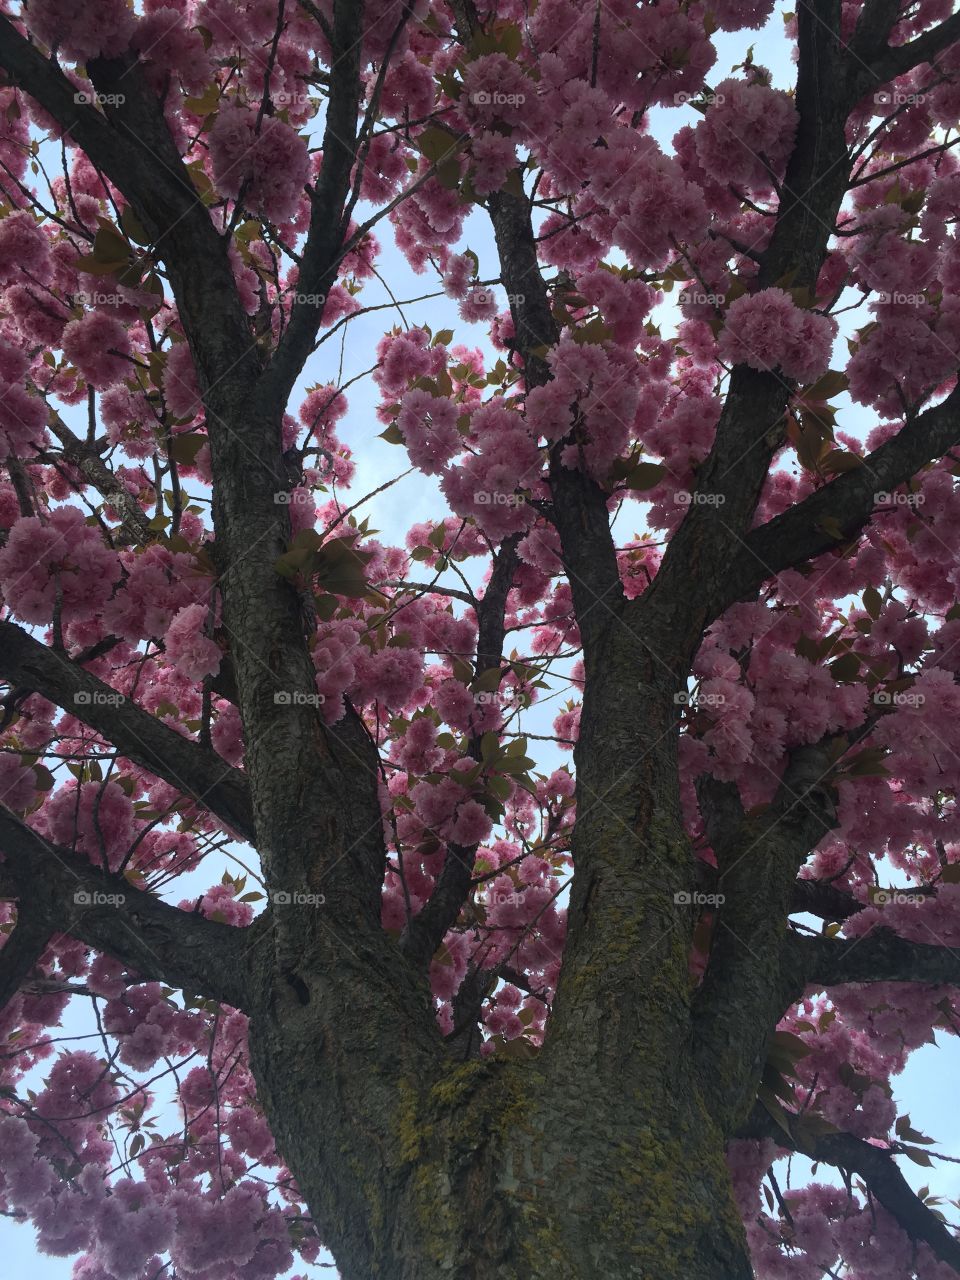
[{"x": 604, "y": 1155}]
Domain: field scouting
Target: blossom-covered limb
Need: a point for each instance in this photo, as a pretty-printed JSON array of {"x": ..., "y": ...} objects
[
  {"x": 141, "y": 737},
  {"x": 837, "y": 512},
  {"x": 879, "y": 1171},
  {"x": 136, "y": 927}
]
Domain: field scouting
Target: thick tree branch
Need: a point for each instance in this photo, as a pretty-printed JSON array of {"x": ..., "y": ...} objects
[
  {"x": 880, "y": 956},
  {"x": 752, "y": 423},
  {"x": 843, "y": 506},
  {"x": 78, "y": 453},
  {"x": 878, "y": 1170},
  {"x": 746, "y": 988},
  {"x": 824, "y": 900},
  {"x": 899, "y": 59},
  {"x": 158, "y": 941},
  {"x": 132, "y": 145},
  {"x": 22, "y": 949},
  {"x": 320, "y": 256},
  {"x": 136, "y": 734}
]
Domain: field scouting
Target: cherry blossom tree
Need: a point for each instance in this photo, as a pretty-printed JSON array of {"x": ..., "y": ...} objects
[{"x": 461, "y": 1005}]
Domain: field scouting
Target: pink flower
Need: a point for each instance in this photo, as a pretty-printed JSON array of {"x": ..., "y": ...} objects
[
  {"x": 65, "y": 554},
  {"x": 272, "y": 167},
  {"x": 96, "y": 344},
  {"x": 429, "y": 427},
  {"x": 767, "y": 330},
  {"x": 180, "y": 388},
  {"x": 23, "y": 248},
  {"x": 188, "y": 648},
  {"x": 81, "y": 31}
]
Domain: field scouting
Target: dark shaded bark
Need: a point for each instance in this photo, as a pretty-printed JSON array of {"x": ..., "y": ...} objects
[
  {"x": 603, "y": 1154},
  {"x": 30, "y": 666}
]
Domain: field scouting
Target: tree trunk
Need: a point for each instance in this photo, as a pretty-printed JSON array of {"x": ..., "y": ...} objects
[{"x": 514, "y": 1169}]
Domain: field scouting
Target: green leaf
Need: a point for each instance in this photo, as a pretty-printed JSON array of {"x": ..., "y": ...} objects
[
  {"x": 831, "y": 527},
  {"x": 326, "y": 606},
  {"x": 768, "y": 1100},
  {"x": 109, "y": 245},
  {"x": 206, "y": 102},
  {"x": 838, "y": 461},
  {"x": 845, "y": 668},
  {"x": 132, "y": 227},
  {"x": 185, "y": 447},
  {"x": 488, "y": 682},
  {"x": 499, "y": 787},
  {"x": 918, "y": 1156},
  {"x": 829, "y": 384},
  {"x": 437, "y": 144},
  {"x": 872, "y": 602},
  {"x": 645, "y": 475}
]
